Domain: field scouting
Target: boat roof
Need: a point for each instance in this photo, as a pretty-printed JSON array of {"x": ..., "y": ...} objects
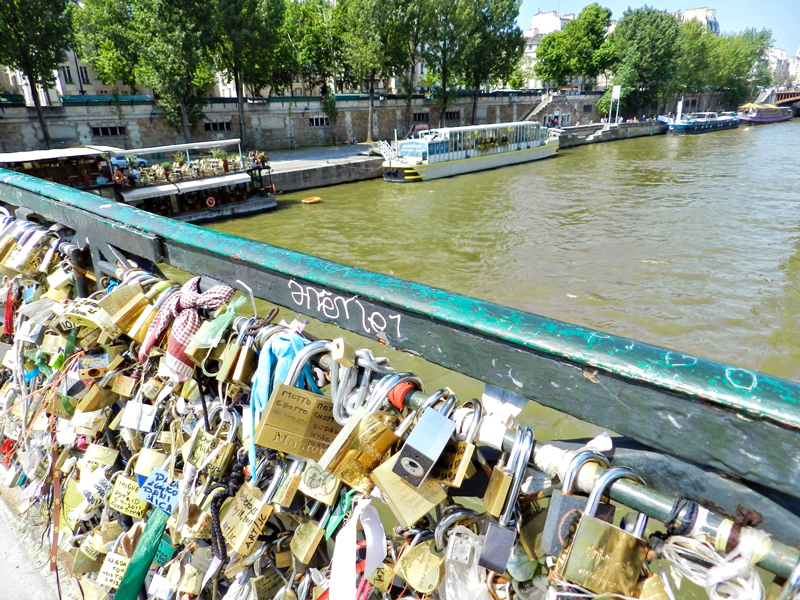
[
  {"x": 174, "y": 147},
  {"x": 56, "y": 153},
  {"x": 486, "y": 126},
  {"x": 756, "y": 105}
]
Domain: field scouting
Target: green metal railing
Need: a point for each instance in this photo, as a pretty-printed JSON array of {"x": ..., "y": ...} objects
[{"x": 735, "y": 420}]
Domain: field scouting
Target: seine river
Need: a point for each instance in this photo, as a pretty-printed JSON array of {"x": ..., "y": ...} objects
[{"x": 687, "y": 242}]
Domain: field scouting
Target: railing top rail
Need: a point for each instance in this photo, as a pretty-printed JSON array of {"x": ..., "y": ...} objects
[{"x": 692, "y": 407}]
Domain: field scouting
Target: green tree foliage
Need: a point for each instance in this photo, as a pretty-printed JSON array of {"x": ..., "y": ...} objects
[
  {"x": 105, "y": 39},
  {"x": 445, "y": 48},
  {"x": 246, "y": 43},
  {"x": 33, "y": 37},
  {"x": 174, "y": 37},
  {"x": 370, "y": 44},
  {"x": 580, "y": 48},
  {"x": 412, "y": 18},
  {"x": 738, "y": 64},
  {"x": 313, "y": 31},
  {"x": 693, "y": 70},
  {"x": 646, "y": 47},
  {"x": 494, "y": 45}
]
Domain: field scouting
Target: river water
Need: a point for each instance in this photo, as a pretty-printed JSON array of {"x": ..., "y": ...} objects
[{"x": 689, "y": 242}]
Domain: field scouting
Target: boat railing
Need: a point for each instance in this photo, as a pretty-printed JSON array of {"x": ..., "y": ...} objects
[{"x": 729, "y": 419}]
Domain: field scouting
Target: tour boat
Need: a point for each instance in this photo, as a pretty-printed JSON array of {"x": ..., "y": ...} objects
[
  {"x": 703, "y": 122},
  {"x": 451, "y": 151},
  {"x": 757, "y": 114},
  {"x": 192, "y": 189}
]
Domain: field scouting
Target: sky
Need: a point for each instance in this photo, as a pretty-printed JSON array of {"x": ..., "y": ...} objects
[{"x": 782, "y": 16}]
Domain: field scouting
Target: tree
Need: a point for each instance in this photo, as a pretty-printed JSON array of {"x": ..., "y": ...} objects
[
  {"x": 580, "y": 48},
  {"x": 693, "y": 70},
  {"x": 446, "y": 44},
  {"x": 246, "y": 39},
  {"x": 412, "y": 17},
  {"x": 645, "y": 43},
  {"x": 495, "y": 45},
  {"x": 33, "y": 37},
  {"x": 314, "y": 31},
  {"x": 105, "y": 39},
  {"x": 174, "y": 36},
  {"x": 364, "y": 44},
  {"x": 553, "y": 60},
  {"x": 739, "y": 65}
]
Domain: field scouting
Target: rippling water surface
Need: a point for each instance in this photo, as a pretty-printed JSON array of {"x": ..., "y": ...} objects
[{"x": 687, "y": 242}]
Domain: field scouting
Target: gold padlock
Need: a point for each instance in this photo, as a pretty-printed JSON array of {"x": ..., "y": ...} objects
[
  {"x": 161, "y": 292},
  {"x": 494, "y": 498},
  {"x": 454, "y": 463},
  {"x": 229, "y": 357},
  {"x": 408, "y": 503},
  {"x": 603, "y": 558},
  {"x": 246, "y": 364},
  {"x": 243, "y": 519},
  {"x": 307, "y": 537},
  {"x": 203, "y": 444},
  {"x": 123, "y": 498},
  {"x": 365, "y": 439}
]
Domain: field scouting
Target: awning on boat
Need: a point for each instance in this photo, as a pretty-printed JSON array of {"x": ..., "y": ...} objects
[
  {"x": 176, "y": 148},
  {"x": 211, "y": 182},
  {"x": 137, "y": 194}
]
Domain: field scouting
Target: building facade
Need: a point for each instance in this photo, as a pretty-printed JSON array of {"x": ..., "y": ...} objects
[
  {"x": 541, "y": 25},
  {"x": 707, "y": 16}
]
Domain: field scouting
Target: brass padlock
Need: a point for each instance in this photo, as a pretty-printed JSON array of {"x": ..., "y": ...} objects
[
  {"x": 246, "y": 361},
  {"x": 138, "y": 330},
  {"x": 494, "y": 499},
  {"x": 365, "y": 439},
  {"x": 500, "y": 539},
  {"x": 308, "y": 535},
  {"x": 204, "y": 444},
  {"x": 123, "y": 498},
  {"x": 408, "y": 503},
  {"x": 603, "y": 558},
  {"x": 289, "y": 484},
  {"x": 454, "y": 463},
  {"x": 565, "y": 508},
  {"x": 229, "y": 357},
  {"x": 124, "y": 304}
]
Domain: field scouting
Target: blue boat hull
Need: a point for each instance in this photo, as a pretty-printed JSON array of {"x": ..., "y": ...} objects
[{"x": 688, "y": 128}]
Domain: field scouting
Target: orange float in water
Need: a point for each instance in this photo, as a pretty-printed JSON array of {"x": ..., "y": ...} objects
[{"x": 312, "y": 200}]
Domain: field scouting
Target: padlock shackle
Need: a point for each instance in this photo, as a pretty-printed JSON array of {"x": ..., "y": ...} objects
[
  {"x": 447, "y": 522},
  {"x": 477, "y": 417},
  {"x": 791, "y": 589},
  {"x": 523, "y": 456},
  {"x": 574, "y": 467},
  {"x": 302, "y": 357},
  {"x": 604, "y": 482}
]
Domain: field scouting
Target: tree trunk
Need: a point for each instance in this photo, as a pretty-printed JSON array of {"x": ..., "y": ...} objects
[
  {"x": 237, "y": 82},
  {"x": 185, "y": 120},
  {"x": 371, "y": 106},
  {"x": 443, "y": 105},
  {"x": 475, "y": 103},
  {"x": 38, "y": 105},
  {"x": 409, "y": 98}
]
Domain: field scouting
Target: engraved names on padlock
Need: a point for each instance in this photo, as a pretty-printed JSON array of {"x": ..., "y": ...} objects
[
  {"x": 243, "y": 519},
  {"x": 266, "y": 585},
  {"x": 113, "y": 569},
  {"x": 421, "y": 567},
  {"x": 124, "y": 498},
  {"x": 297, "y": 422}
]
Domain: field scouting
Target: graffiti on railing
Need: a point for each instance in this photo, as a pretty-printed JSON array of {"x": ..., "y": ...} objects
[{"x": 333, "y": 306}]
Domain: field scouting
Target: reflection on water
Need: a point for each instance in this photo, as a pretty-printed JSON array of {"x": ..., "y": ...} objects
[{"x": 687, "y": 242}]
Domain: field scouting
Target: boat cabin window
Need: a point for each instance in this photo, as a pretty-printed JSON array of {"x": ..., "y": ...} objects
[{"x": 413, "y": 149}]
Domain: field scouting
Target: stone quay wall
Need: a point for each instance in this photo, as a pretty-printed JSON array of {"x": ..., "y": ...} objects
[{"x": 279, "y": 123}]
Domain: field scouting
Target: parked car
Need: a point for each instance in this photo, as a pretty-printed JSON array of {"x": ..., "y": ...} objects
[{"x": 122, "y": 163}]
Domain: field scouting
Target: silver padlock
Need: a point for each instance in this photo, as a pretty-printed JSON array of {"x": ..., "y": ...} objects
[
  {"x": 427, "y": 440},
  {"x": 500, "y": 539}
]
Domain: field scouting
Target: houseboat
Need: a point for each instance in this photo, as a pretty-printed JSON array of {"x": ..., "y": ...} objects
[
  {"x": 185, "y": 187},
  {"x": 451, "y": 151},
  {"x": 702, "y": 122},
  {"x": 194, "y": 189},
  {"x": 757, "y": 114}
]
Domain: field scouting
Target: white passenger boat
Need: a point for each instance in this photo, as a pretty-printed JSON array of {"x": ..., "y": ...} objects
[{"x": 455, "y": 150}]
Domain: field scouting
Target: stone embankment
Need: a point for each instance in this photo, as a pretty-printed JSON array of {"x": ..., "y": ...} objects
[{"x": 592, "y": 134}]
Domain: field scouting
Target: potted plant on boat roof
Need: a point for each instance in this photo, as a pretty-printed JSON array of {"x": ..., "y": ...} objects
[
  {"x": 220, "y": 154},
  {"x": 179, "y": 157}
]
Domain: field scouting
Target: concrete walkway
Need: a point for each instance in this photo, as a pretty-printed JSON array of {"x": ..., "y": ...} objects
[
  {"x": 24, "y": 567},
  {"x": 307, "y": 168}
]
